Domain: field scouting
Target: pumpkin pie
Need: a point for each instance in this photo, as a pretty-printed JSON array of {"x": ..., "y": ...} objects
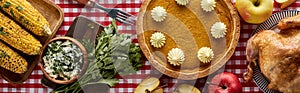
[{"x": 188, "y": 27}]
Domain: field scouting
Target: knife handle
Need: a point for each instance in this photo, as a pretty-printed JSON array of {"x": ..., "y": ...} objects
[{"x": 89, "y": 3}]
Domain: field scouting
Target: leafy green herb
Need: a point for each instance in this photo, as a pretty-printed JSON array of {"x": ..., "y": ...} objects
[
  {"x": 110, "y": 55},
  {"x": 7, "y": 4},
  {"x": 135, "y": 56},
  {"x": 19, "y": 8},
  {"x": 1, "y": 31}
]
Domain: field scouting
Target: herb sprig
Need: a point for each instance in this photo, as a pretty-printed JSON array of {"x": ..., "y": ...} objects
[{"x": 111, "y": 54}]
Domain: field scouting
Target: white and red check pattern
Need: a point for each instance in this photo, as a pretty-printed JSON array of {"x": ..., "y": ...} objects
[{"x": 71, "y": 9}]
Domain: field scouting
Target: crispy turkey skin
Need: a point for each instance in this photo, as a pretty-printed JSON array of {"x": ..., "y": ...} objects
[
  {"x": 279, "y": 57},
  {"x": 278, "y": 54}
]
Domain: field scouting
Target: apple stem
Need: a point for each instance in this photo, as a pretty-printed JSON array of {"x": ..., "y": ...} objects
[
  {"x": 223, "y": 87},
  {"x": 256, "y": 3},
  {"x": 147, "y": 91}
]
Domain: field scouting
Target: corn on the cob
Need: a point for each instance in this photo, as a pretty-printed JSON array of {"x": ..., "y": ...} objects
[
  {"x": 11, "y": 60},
  {"x": 24, "y": 13},
  {"x": 17, "y": 37}
]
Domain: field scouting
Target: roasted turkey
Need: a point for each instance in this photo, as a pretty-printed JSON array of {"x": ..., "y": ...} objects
[{"x": 278, "y": 54}]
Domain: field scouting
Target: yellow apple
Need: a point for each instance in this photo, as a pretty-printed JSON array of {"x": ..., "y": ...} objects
[
  {"x": 255, "y": 11},
  {"x": 147, "y": 85},
  {"x": 158, "y": 90},
  {"x": 285, "y": 3},
  {"x": 186, "y": 88},
  {"x": 281, "y": 1}
]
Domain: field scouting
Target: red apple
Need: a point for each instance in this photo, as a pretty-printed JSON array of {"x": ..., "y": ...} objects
[{"x": 225, "y": 82}]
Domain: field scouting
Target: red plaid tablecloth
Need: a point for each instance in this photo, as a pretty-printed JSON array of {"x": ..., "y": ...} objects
[{"x": 71, "y": 9}]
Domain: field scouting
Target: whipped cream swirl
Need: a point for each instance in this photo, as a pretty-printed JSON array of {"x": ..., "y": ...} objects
[
  {"x": 208, "y": 5},
  {"x": 157, "y": 40},
  {"x": 158, "y": 13},
  {"x": 182, "y": 2},
  {"x": 176, "y": 57},
  {"x": 218, "y": 30},
  {"x": 205, "y": 54}
]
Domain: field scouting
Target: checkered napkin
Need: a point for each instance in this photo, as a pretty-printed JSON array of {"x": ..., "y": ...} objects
[{"x": 71, "y": 9}]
